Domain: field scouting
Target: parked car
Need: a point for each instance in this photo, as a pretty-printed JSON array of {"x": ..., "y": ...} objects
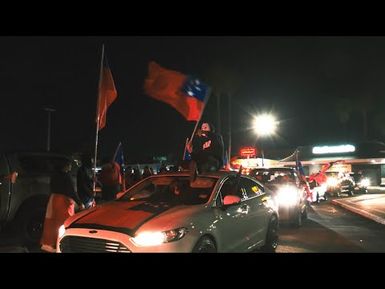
[
  {"x": 23, "y": 201},
  {"x": 218, "y": 212},
  {"x": 338, "y": 183},
  {"x": 289, "y": 191},
  {"x": 362, "y": 183}
]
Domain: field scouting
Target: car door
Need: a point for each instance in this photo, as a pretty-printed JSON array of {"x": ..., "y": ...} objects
[
  {"x": 256, "y": 219},
  {"x": 230, "y": 220}
]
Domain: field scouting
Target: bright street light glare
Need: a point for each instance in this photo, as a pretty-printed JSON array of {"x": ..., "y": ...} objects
[{"x": 265, "y": 124}]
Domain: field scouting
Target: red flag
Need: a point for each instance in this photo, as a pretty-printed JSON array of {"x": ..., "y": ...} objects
[
  {"x": 184, "y": 93},
  {"x": 107, "y": 94}
]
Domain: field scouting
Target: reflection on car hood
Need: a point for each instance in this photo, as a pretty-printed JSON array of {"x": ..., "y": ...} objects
[{"x": 125, "y": 217}]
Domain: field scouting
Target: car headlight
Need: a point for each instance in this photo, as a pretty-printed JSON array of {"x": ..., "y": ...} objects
[
  {"x": 158, "y": 238},
  {"x": 365, "y": 182},
  {"x": 62, "y": 230},
  {"x": 287, "y": 195}
]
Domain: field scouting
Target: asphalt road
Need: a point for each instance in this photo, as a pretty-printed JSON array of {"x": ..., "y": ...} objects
[{"x": 331, "y": 229}]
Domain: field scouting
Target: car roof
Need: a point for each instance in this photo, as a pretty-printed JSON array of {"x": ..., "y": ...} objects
[
  {"x": 216, "y": 174},
  {"x": 273, "y": 168}
]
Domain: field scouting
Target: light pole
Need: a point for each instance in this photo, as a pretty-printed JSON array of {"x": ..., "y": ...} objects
[
  {"x": 264, "y": 125},
  {"x": 50, "y": 111}
]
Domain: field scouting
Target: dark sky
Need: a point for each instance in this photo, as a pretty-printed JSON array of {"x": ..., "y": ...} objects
[{"x": 319, "y": 88}]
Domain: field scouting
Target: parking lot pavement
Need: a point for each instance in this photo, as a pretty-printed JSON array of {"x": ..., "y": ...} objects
[{"x": 371, "y": 206}]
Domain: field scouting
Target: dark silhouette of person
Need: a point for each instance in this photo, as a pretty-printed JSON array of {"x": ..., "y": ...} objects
[
  {"x": 61, "y": 204},
  {"x": 84, "y": 182},
  {"x": 111, "y": 180},
  {"x": 146, "y": 172}
]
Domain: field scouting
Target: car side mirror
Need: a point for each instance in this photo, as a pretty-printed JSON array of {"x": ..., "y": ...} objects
[
  {"x": 231, "y": 200},
  {"x": 12, "y": 177},
  {"x": 119, "y": 194}
]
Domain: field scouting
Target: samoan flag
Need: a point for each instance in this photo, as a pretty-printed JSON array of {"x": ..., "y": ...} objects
[
  {"x": 107, "y": 94},
  {"x": 185, "y": 93}
]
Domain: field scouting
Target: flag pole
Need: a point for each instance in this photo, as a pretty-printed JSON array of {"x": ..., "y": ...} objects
[
  {"x": 204, "y": 106},
  {"x": 229, "y": 148},
  {"x": 116, "y": 151},
  {"x": 98, "y": 119},
  {"x": 185, "y": 147}
]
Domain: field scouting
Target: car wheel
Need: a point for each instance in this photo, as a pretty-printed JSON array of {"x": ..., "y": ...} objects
[
  {"x": 325, "y": 197},
  {"x": 317, "y": 199},
  {"x": 30, "y": 222},
  {"x": 297, "y": 221},
  {"x": 272, "y": 236},
  {"x": 205, "y": 245},
  {"x": 304, "y": 214}
]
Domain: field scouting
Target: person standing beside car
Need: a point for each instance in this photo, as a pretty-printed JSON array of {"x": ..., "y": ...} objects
[
  {"x": 84, "y": 182},
  {"x": 111, "y": 180},
  {"x": 61, "y": 204}
]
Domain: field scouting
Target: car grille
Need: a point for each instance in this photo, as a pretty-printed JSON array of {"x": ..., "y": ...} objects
[{"x": 74, "y": 244}]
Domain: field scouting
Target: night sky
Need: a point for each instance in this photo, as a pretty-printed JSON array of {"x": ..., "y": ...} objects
[{"x": 320, "y": 88}]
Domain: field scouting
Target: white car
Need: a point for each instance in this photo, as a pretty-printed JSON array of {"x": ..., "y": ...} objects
[
  {"x": 219, "y": 211},
  {"x": 289, "y": 191}
]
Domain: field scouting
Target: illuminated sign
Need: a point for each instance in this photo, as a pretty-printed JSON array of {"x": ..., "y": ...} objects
[
  {"x": 343, "y": 168},
  {"x": 248, "y": 152},
  {"x": 334, "y": 149}
]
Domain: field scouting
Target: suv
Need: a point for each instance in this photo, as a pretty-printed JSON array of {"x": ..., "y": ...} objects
[
  {"x": 288, "y": 190},
  {"x": 23, "y": 201}
]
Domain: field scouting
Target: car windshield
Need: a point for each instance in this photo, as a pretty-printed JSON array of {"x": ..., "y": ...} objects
[
  {"x": 274, "y": 176},
  {"x": 177, "y": 190}
]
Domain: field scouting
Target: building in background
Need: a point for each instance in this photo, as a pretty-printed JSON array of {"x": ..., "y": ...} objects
[{"x": 367, "y": 158}]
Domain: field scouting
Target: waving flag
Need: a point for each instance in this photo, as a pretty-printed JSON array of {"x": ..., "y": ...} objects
[
  {"x": 184, "y": 93},
  {"x": 107, "y": 93},
  {"x": 119, "y": 158}
]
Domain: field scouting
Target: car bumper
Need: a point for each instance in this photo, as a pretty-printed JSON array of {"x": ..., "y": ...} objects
[{"x": 77, "y": 240}]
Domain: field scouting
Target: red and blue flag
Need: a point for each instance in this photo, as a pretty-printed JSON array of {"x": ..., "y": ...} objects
[{"x": 185, "y": 93}]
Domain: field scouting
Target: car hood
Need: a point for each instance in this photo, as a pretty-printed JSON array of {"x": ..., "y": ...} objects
[{"x": 128, "y": 216}]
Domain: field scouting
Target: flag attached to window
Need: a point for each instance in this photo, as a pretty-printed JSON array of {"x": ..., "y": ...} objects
[
  {"x": 107, "y": 93},
  {"x": 184, "y": 93}
]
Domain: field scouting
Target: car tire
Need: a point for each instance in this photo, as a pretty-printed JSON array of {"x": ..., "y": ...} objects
[
  {"x": 297, "y": 220},
  {"x": 30, "y": 221},
  {"x": 205, "y": 245},
  {"x": 317, "y": 199},
  {"x": 304, "y": 214},
  {"x": 325, "y": 197},
  {"x": 271, "y": 242}
]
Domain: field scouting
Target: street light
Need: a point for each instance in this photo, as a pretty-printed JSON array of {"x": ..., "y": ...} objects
[
  {"x": 50, "y": 111},
  {"x": 264, "y": 125}
]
